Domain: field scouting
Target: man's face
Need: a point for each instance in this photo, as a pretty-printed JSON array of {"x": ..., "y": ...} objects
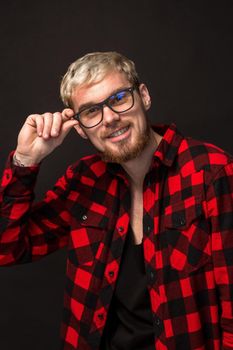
[{"x": 132, "y": 126}]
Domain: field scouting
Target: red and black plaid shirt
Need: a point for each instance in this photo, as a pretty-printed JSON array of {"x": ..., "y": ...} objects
[{"x": 188, "y": 240}]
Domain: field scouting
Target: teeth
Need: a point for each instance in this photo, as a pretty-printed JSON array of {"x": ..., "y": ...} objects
[{"x": 119, "y": 132}]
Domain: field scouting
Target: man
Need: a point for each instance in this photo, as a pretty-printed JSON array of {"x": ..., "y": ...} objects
[{"x": 147, "y": 220}]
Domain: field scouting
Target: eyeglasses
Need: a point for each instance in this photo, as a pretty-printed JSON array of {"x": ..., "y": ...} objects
[{"x": 120, "y": 102}]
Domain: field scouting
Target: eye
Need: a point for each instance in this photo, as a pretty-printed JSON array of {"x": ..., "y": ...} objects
[
  {"x": 118, "y": 97},
  {"x": 91, "y": 111}
]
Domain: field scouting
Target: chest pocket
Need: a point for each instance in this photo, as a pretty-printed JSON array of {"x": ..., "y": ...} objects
[
  {"x": 89, "y": 229},
  {"x": 187, "y": 235}
]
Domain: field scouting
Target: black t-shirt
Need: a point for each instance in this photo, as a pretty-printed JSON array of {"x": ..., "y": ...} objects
[{"x": 129, "y": 325}]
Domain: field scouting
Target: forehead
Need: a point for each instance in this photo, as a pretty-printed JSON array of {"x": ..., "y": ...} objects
[{"x": 96, "y": 92}]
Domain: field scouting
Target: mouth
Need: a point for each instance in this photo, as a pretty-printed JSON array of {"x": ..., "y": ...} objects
[{"x": 118, "y": 132}]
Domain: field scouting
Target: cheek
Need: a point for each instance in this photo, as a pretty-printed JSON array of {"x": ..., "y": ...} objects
[
  {"x": 95, "y": 140},
  {"x": 141, "y": 121}
]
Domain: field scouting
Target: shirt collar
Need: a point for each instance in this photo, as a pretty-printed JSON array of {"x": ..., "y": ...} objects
[
  {"x": 166, "y": 151},
  {"x": 169, "y": 145}
]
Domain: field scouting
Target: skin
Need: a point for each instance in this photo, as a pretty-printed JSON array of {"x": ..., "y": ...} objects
[{"x": 41, "y": 134}]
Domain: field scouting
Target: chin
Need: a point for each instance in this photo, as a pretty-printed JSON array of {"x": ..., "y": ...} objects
[{"x": 126, "y": 152}]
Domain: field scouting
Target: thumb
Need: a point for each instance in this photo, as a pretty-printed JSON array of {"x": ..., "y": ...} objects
[{"x": 67, "y": 126}]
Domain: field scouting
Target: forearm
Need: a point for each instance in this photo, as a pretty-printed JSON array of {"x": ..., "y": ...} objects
[
  {"x": 25, "y": 227},
  {"x": 16, "y": 194}
]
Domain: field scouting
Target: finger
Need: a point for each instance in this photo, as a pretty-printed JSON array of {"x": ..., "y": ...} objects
[
  {"x": 67, "y": 113},
  {"x": 56, "y": 125},
  {"x": 39, "y": 124},
  {"x": 48, "y": 121},
  {"x": 36, "y": 121},
  {"x": 67, "y": 126}
]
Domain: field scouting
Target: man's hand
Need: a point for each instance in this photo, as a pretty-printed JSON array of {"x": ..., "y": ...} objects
[{"x": 41, "y": 134}]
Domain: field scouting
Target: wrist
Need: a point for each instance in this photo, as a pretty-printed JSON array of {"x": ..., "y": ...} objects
[{"x": 23, "y": 161}]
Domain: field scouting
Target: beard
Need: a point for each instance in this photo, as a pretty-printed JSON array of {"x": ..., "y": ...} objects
[{"x": 127, "y": 151}]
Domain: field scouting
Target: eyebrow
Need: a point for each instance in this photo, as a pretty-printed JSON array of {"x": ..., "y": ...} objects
[{"x": 92, "y": 103}]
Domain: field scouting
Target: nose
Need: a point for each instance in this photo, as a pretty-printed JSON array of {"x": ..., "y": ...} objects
[{"x": 109, "y": 116}]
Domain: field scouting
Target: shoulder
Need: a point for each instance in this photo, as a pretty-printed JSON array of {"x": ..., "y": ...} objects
[
  {"x": 195, "y": 156},
  {"x": 90, "y": 166}
]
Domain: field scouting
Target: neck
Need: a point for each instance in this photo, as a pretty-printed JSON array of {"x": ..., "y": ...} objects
[{"x": 139, "y": 166}]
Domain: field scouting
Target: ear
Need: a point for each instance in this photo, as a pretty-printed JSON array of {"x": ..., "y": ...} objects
[
  {"x": 80, "y": 131},
  {"x": 145, "y": 96}
]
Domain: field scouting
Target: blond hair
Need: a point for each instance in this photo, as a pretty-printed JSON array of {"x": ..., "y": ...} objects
[{"x": 92, "y": 68}]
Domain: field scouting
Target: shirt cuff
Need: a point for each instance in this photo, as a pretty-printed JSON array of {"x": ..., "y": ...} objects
[{"x": 17, "y": 179}]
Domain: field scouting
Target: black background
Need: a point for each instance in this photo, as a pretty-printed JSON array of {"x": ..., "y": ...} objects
[{"x": 183, "y": 51}]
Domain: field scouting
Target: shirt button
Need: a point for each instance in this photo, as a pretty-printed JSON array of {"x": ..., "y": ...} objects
[
  {"x": 158, "y": 324},
  {"x": 100, "y": 316},
  {"x": 84, "y": 217},
  {"x": 151, "y": 277},
  {"x": 111, "y": 273},
  {"x": 182, "y": 221},
  {"x": 157, "y": 321},
  {"x": 120, "y": 229},
  {"x": 148, "y": 228}
]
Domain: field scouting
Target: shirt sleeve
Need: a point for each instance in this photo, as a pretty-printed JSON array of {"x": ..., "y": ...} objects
[
  {"x": 220, "y": 212},
  {"x": 29, "y": 231}
]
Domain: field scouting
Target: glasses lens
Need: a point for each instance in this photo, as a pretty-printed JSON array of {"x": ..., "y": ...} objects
[
  {"x": 91, "y": 116},
  {"x": 121, "y": 101}
]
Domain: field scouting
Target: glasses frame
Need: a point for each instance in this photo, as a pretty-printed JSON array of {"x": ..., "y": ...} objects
[{"x": 106, "y": 103}]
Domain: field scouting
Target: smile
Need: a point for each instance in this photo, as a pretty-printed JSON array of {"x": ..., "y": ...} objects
[{"x": 119, "y": 132}]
